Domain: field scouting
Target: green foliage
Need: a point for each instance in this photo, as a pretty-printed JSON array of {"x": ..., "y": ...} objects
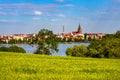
[
  {"x": 70, "y": 39},
  {"x": 33, "y": 40},
  {"x": 77, "y": 51},
  {"x": 2, "y": 42},
  {"x": 12, "y": 41},
  {"x": 12, "y": 49},
  {"x": 117, "y": 35},
  {"x": 78, "y": 40},
  {"x": 108, "y": 48},
  {"x": 64, "y": 39},
  {"x": 45, "y": 32},
  {"x": 43, "y": 67},
  {"x": 46, "y": 42},
  {"x": 92, "y": 53},
  {"x": 110, "y": 36},
  {"x": 16, "y": 49},
  {"x": 4, "y": 49},
  {"x": 70, "y": 52}
]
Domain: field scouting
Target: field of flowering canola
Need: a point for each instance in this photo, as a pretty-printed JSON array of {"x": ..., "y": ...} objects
[{"x": 16, "y": 66}]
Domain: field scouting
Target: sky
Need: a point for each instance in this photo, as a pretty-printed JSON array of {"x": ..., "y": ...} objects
[{"x": 30, "y": 16}]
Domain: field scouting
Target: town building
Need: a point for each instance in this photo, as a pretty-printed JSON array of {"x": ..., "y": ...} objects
[
  {"x": 94, "y": 35},
  {"x": 75, "y": 34},
  {"x": 78, "y": 34},
  {"x": 21, "y": 37}
]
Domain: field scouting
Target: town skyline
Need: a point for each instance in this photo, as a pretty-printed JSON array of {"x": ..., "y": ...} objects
[
  {"x": 73, "y": 36},
  {"x": 26, "y": 17}
]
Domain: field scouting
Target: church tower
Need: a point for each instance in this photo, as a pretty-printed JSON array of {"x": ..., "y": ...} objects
[{"x": 79, "y": 29}]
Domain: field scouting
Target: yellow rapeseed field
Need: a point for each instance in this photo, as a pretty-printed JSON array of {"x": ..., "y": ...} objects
[{"x": 18, "y": 66}]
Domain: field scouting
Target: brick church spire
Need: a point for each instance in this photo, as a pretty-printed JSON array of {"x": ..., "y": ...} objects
[{"x": 79, "y": 29}]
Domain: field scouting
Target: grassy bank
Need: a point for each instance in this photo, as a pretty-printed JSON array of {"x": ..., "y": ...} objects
[{"x": 16, "y": 66}]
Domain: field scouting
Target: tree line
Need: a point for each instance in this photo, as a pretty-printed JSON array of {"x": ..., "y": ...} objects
[{"x": 108, "y": 47}]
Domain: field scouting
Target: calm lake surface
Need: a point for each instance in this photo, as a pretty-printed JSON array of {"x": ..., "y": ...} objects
[{"x": 30, "y": 49}]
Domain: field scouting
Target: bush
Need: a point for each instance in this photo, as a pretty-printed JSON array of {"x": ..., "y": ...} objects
[
  {"x": 4, "y": 49},
  {"x": 77, "y": 51},
  {"x": 69, "y": 51},
  {"x": 92, "y": 53},
  {"x": 16, "y": 49},
  {"x": 105, "y": 48},
  {"x": 108, "y": 48},
  {"x": 12, "y": 49}
]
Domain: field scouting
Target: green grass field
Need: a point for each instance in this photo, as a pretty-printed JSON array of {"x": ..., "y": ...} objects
[{"x": 16, "y": 66}]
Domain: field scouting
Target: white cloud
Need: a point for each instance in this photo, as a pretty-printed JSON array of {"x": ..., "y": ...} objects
[
  {"x": 37, "y": 13},
  {"x": 60, "y": 15}
]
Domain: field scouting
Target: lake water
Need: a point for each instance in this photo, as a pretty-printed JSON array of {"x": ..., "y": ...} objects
[{"x": 62, "y": 48}]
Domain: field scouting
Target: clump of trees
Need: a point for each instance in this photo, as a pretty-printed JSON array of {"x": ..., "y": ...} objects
[
  {"x": 46, "y": 41},
  {"x": 12, "y": 49},
  {"x": 77, "y": 51},
  {"x": 108, "y": 47}
]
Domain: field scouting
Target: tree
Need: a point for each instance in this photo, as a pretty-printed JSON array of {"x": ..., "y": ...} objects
[
  {"x": 77, "y": 51},
  {"x": 69, "y": 39},
  {"x": 16, "y": 49},
  {"x": 46, "y": 42},
  {"x": 117, "y": 35},
  {"x": 69, "y": 51},
  {"x": 108, "y": 36},
  {"x": 12, "y": 49},
  {"x": 92, "y": 53},
  {"x": 2, "y": 42},
  {"x": 4, "y": 49},
  {"x": 83, "y": 50},
  {"x": 107, "y": 47},
  {"x": 12, "y": 41}
]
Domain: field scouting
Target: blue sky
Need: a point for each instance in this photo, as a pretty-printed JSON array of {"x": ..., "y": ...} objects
[{"x": 29, "y": 16}]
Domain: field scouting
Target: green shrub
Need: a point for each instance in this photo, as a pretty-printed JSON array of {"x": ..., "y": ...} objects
[
  {"x": 69, "y": 51},
  {"x": 4, "y": 49},
  {"x": 12, "y": 49},
  {"x": 77, "y": 51},
  {"x": 105, "y": 48},
  {"x": 16, "y": 49},
  {"x": 108, "y": 48},
  {"x": 92, "y": 53}
]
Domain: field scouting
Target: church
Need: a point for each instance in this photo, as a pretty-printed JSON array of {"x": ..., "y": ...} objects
[
  {"x": 75, "y": 34},
  {"x": 79, "y": 29},
  {"x": 78, "y": 34}
]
